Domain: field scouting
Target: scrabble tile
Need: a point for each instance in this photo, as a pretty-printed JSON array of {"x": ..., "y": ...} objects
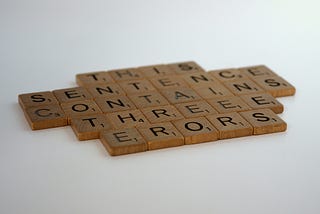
[
  {"x": 243, "y": 86},
  {"x": 148, "y": 99},
  {"x": 213, "y": 91},
  {"x": 72, "y": 94},
  {"x": 125, "y": 74},
  {"x": 37, "y": 99},
  {"x": 127, "y": 119},
  {"x": 160, "y": 114},
  {"x": 43, "y": 117},
  {"x": 89, "y": 126},
  {"x": 276, "y": 86},
  {"x": 80, "y": 108},
  {"x": 195, "y": 109},
  {"x": 261, "y": 101},
  {"x": 199, "y": 79},
  {"x": 152, "y": 71},
  {"x": 136, "y": 86},
  {"x": 123, "y": 141},
  {"x": 196, "y": 130},
  {"x": 180, "y": 95},
  {"x": 185, "y": 67},
  {"x": 86, "y": 79},
  {"x": 224, "y": 75},
  {"x": 161, "y": 135},
  {"x": 105, "y": 90},
  {"x": 230, "y": 125},
  {"x": 228, "y": 104},
  {"x": 114, "y": 104},
  {"x": 257, "y": 71},
  {"x": 164, "y": 105},
  {"x": 264, "y": 121},
  {"x": 167, "y": 82}
]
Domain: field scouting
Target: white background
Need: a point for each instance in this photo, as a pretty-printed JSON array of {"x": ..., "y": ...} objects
[{"x": 43, "y": 44}]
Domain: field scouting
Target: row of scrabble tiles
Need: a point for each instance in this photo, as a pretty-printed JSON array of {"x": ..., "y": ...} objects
[
  {"x": 151, "y": 107},
  {"x": 124, "y": 114}
]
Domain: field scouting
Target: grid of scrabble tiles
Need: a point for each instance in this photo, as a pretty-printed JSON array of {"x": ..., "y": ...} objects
[{"x": 138, "y": 109}]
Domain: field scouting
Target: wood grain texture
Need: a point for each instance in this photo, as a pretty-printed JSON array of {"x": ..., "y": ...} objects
[
  {"x": 213, "y": 91},
  {"x": 136, "y": 86},
  {"x": 195, "y": 109},
  {"x": 163, "y": 105},
  {"x": 105, "y": 90},
  {"x": 89, "y": 126},
  {"x": 229, "y": 74},
  {"x": 148, "y": 99},
  {"x": 196, "y": 130},
  {"x": 123, "y": 141},
  {"x": 72, "y": 94},
  {"x": 125, "y": 74},
  {"x": 92, "y": 78},
  {"x": 180, "y": 95},
  {"x": 264, "y": 121},
  {"x": 276, "y": 86},
  {"x": 185, "y": 67},
  {"x": 152, "y": 71},
  {"x": 160, "y": 114},
  {"x": 80, "y": 108},
  {"x": 167, "y": 82},
  {"x": 37, "y": 99},
  {"x": 161, "y": 135},
  {"x": 114, "y": 104},
  {"x": 257, "y": 71},
  {"x": 228, "y": 104},
  {"x": 127, "y": 119},
  {"x": 261, "y": 101},
  {"x": 230, "y": 125},
  {"x": 43, "y": 117},
  {"x": 243, "y": 86}
]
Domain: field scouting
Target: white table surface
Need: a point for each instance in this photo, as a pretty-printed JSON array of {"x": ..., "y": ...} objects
[{"x": 43, "y": 44}]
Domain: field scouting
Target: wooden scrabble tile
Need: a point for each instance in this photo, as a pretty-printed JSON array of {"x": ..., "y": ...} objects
[
  {"x": 160, "y": 114},
  {"x": 43, "y": 117},
  {"x": 213, "y": 91},
  {"x": 114, "y": 104},
  {"x": 167, "y": 82},
  {"x": 224, "y": 75},
  {"x": 136, "y": 86},
  {"x": 105, "y": 90},
  {"x": 228, "y": 104},
  {"x": 195, "y": 109},
  {"x": 98, "y": 77},
  {"x": 161, "y": 135},
  {"x": 72, "y": 94},
  {"x": 261, "y": 101},
  {"x": 88, "y": 127},
  {"x": 196, "y": 130},
  {"x": 127, "y": 119},
  {"x": 148, "y": 99},
  {"x": 123, "y": 141},
  {"x": 264, "y": 121},
  {"x": 230, "y": 125},
  {"x": 37, "y": 99},
  {"x": 80, "y": 108},
  {"x": 125, "y": 74},
  {"x": 199, "y": 79},
  {"x": 152, "y": 71},
  {"x": 243, "y": 86},
  {"x": 257, "y": 71},
  {"x": 276, "y": 86},
  {"x": 180, "y": 95},
  {"x": 185, "y": 67}
]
